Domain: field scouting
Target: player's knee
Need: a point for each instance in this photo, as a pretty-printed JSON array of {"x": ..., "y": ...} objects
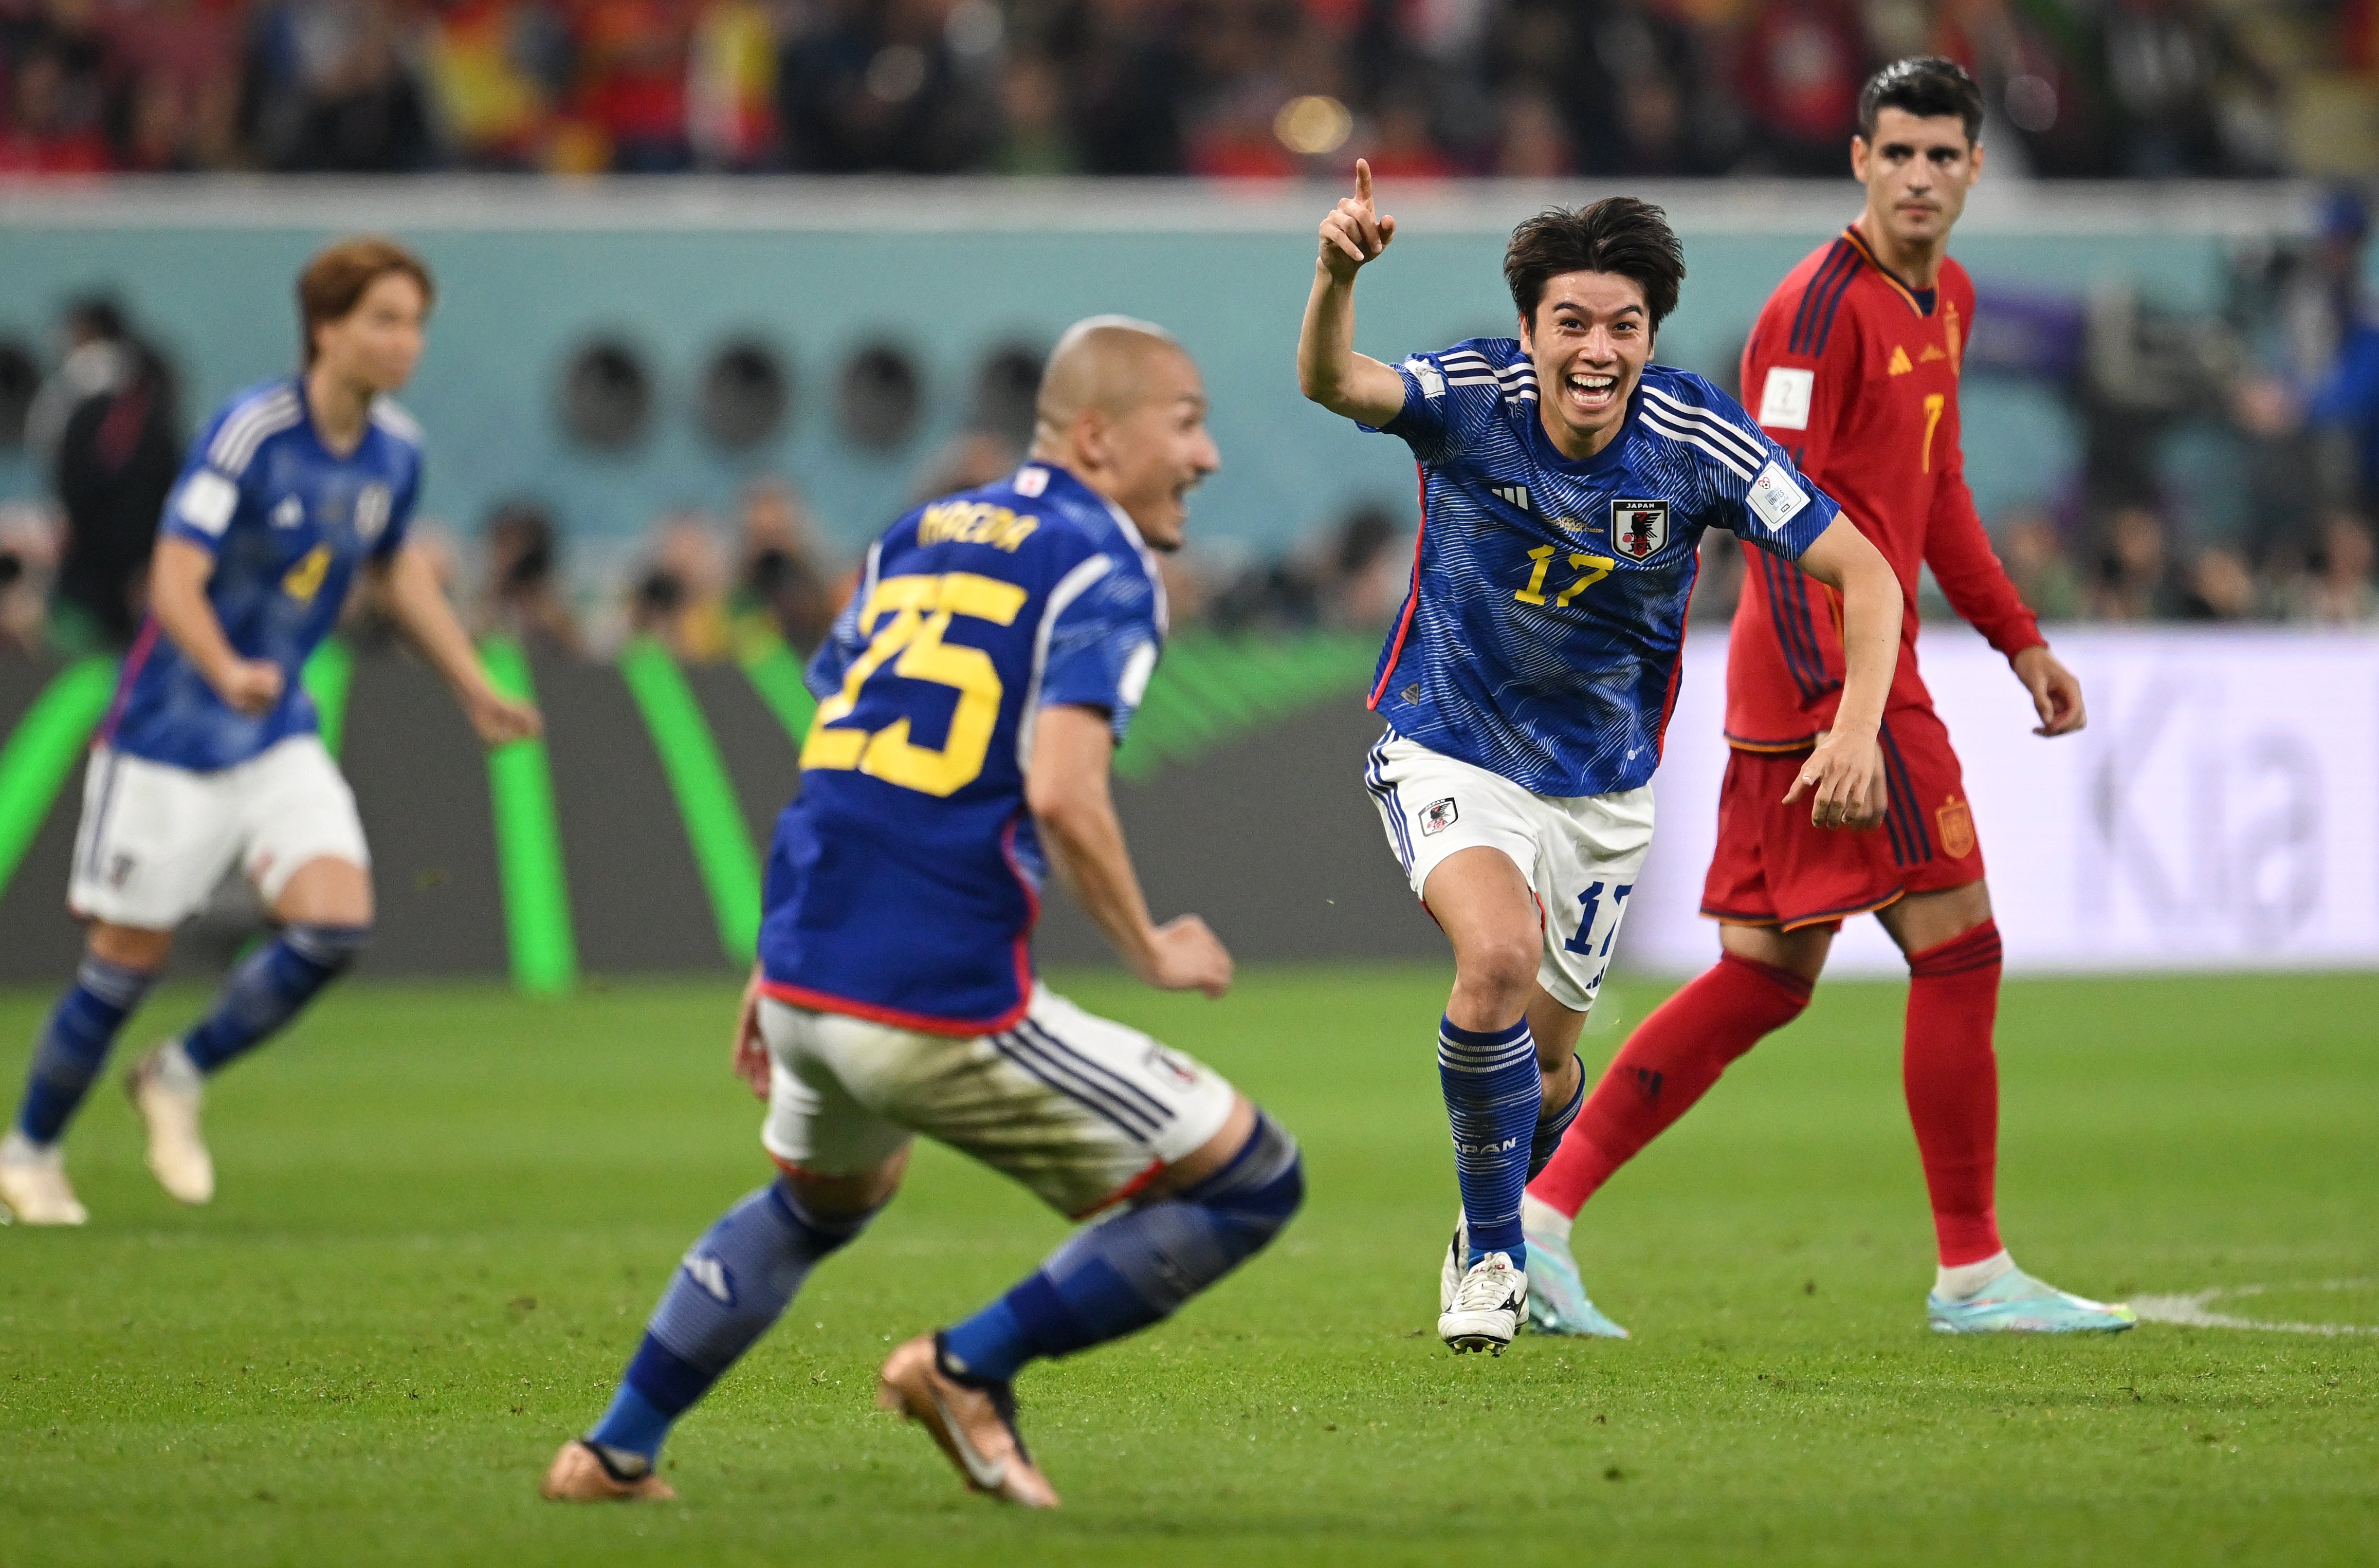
[
  {"x": 331, "y": 948},
  {"x": 1254, "y": 1197},
  {"x": 1498, "y": 976}
]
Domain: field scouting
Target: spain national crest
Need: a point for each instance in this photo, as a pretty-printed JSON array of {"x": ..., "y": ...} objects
[{"x": 1638, "y": 528}]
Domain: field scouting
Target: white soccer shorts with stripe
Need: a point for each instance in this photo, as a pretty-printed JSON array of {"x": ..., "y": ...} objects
[
  {"x": 1580, "y": 856},
  {"x": 1079, "y": 1109}
]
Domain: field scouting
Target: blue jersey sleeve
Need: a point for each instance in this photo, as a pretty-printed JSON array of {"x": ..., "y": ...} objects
[
  {"x": 205, "y": 498},
  {"x": 1103, "y": 645},
  {"x": 1749, "y": 486},
  {"x": 1450, "y": 396}
]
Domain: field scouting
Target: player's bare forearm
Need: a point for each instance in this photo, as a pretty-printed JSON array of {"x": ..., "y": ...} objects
[
  {"x": 1067, "y": 792},
  {"x": 1329, "y": 372},
  {"x": 409, "y": 587},
  {"x": 177, "y": 596},
  {"x": 1066, "y": 788},
  {"x": 1844, "y": 774},
  {"x": 417, "y": 604}
]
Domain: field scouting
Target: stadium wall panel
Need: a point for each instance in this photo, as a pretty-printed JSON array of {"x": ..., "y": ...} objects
[
  {"x": 2221, "y": 812},
  {"x": 530, "y": 272}
]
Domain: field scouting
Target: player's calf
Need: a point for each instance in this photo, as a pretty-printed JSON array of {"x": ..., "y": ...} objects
[
  {"x": 731, "y": 1287},
  {"x": 271, "y": 987},
  {"x": 1120, "y": 1276},
  {"x": 74, "y": 1047}
]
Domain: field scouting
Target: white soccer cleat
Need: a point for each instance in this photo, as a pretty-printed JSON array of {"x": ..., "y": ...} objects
[
  {"x": 1488, "y": 1305},
  {"x": 1450, "y": 1268},
  {"x": 34, "y": 1186},
  {"x": 177, "y": 1156}
]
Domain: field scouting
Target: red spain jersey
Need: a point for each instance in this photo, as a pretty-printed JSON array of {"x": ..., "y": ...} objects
[{"x": 1855, "y": 374}]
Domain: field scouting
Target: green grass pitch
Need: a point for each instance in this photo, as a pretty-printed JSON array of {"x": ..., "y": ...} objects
[{"x": 445, "y": 1212}]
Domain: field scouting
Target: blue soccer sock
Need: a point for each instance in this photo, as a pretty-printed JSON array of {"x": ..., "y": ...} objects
[
  {"x": 269, "y": 988},
  {"x": 732, "y": 1286},
  {"x": 1493, "y": 1093},
  {"x": 74, "y": 1045},
  {"x": 1548, "y": 1130},
  {"x": 1137, "y": 1269}
]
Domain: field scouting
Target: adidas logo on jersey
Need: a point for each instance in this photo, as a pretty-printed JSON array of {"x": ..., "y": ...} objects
[
  {"x": 1900, "y": 365},
  {"x": 1515, "y": 495}
]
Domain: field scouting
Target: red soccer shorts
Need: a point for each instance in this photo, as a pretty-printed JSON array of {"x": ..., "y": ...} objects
[{"x": 1773, "y": 868}]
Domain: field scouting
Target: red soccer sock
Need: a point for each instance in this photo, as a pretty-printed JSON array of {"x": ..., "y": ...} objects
[
  {"x": 1669, "y": 1062},
  {"x": 1952, "y": 1079}
]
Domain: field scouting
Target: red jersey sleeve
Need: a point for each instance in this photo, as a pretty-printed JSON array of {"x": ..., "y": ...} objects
[
  {"x": 1972, "y": 579},
  {"x": 1957, "y": 547}
]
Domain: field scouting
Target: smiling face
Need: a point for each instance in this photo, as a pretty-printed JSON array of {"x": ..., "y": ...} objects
[
  {"x": 1917, "y": 172},
  {"x": 377, "y": 344},
  {"x": 1159, "y": 450},
  {"x": 1589, "y": 341}
]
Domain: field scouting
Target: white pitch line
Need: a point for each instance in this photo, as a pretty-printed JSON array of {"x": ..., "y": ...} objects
[{"x": 2193, "y": 1309}]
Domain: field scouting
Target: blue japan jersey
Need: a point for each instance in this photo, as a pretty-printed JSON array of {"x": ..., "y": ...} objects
[
  {"x": 287, "y": 523},
  {"x": 904, "y": 881},
  {"x": 1540, "y": 638}
]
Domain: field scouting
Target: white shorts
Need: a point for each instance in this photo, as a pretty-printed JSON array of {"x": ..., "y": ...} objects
[
  {"x": 1080, "y": 1110},
  {"x": 156, "y": 839},
  {"x": 1579, "y": 855}
]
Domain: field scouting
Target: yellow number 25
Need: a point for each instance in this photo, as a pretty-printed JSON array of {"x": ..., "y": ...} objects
[{"x": 920, "y": 611}]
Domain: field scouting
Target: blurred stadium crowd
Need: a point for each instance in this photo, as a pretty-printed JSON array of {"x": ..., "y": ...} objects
[
  {"x": 1248, "y": 88},
  {"x": 2228, "y": 470}
]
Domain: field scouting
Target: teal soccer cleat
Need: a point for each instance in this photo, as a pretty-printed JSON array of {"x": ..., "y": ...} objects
[
  {"x": 2013, "y": 1303},
  {"x": 1557, "y": 1298}
]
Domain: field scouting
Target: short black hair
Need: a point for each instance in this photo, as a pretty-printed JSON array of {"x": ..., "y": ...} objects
[
  {"x": 1617, "y": 234},
  {"x": 1925, "y": 86}
]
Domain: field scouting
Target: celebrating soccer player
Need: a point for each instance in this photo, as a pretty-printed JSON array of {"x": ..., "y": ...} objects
[
  {"x": 208, "y": 757},
  {"x": 1854, "y": 362},
  {"x": 972, "y": 694},
  {"x": 1566, "y": 482}
]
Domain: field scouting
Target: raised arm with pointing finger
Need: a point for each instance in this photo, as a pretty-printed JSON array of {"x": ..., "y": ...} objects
[{"x": 1328, "y": 370}]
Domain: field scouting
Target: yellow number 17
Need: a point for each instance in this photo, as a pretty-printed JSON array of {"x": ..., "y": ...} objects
[
  {"x": 920, "y": 611},
  {"x": 1591, "y": 569}
]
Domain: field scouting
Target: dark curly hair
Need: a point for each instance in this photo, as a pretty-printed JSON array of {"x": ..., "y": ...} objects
[
  {"x": 1617, "y": 234},
  {"x": 1926, "y": 86}
]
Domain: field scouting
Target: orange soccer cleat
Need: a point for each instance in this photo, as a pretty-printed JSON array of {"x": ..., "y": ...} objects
[
  {"x": 975, "y": 1424},
  {"x": 581, "y": 1474}
]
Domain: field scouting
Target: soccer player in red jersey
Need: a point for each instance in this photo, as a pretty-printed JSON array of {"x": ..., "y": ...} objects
[{"x": 1854, "y": 368}]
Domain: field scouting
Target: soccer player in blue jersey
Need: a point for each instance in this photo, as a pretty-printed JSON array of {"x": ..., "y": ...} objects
[
  {"x": 1567, "y": 482},
  {"x": 208, "y": 757},
  {"x": 971, "y": 696}
]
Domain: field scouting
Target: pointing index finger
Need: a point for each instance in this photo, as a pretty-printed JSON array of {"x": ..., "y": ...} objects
[{"x": 1363, "y": 181}]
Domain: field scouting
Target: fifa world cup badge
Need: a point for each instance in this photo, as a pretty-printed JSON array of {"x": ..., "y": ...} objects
[{"x": 1638, "y": 528}]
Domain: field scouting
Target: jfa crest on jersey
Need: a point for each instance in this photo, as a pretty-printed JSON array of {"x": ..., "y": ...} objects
[
  {"x": 287, "y": 521},
  {"x": 1540, "y": 633},
  {"x": 904, "y": 882}
]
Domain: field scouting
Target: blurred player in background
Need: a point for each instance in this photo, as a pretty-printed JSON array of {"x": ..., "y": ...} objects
[
  {"x": 209, "y": 757},
  {"x": 970, "y": 700},
  {"x": 1565, "y": 485},
  {"x": 1854, "y": 362}
]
